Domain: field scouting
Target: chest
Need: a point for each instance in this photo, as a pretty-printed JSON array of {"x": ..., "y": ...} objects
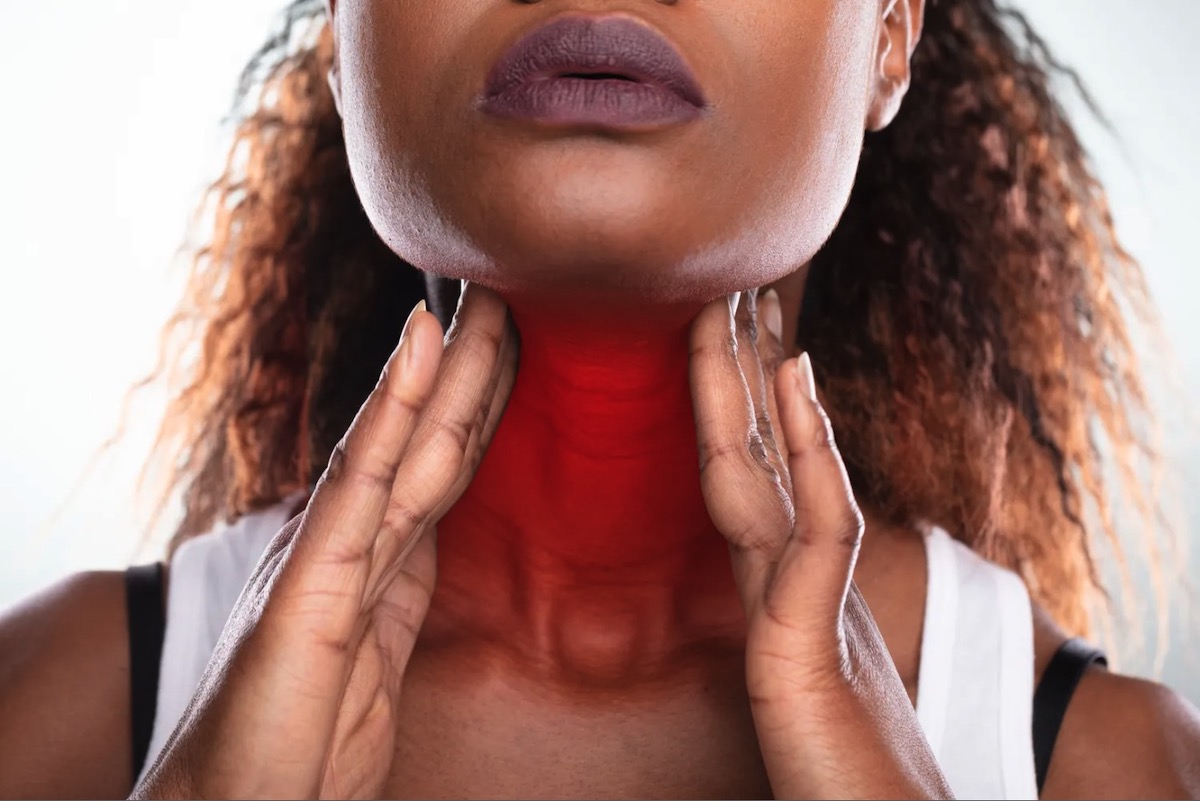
[{"x": 469, "y": 734}]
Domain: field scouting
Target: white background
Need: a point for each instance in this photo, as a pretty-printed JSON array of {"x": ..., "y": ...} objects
[{"x": 110, "y": 130}]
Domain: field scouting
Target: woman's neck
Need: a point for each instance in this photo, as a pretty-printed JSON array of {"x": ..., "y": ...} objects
[{"x": 584, "y": 534}]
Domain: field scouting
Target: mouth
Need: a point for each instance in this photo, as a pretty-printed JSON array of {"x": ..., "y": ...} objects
[{"x": 607, "y": 71}]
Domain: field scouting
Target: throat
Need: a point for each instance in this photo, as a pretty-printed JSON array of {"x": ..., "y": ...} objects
[{"x": 584, "y": 539}]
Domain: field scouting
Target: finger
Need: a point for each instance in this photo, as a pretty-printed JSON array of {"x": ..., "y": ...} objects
[
  {"x": 365, "y": 725},
  {"x": 771, "y": 354},
  {"x": 509, "y": 364},
  {"x": 456, "y": 408},
  {"x": 304, "y": 607},
  {"x": 352, "y": 496},
  {"x": 401, "y": 547},
  {"x": 750, "y": 339},
  {"x": 499, "y": 390},
  {"x": 743, "y": 493},
  {"x": 814, "y": 572}
]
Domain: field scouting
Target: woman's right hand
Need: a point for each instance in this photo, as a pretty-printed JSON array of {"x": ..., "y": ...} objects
[{"x": 299, "y": 698}]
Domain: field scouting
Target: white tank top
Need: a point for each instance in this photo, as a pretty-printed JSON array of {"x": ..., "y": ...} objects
[{"x": 974, "y": 689}]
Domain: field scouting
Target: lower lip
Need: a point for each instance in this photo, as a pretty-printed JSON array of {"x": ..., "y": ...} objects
[{"x": 603, "y": 102}]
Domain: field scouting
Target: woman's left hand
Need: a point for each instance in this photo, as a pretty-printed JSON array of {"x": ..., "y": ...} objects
[{"x": 832, "y": 716}]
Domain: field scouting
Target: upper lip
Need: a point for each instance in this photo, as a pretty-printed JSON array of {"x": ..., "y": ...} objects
[{"x": 589, "y": 45}]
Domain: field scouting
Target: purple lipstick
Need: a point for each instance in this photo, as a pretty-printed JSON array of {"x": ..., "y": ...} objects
[{"x": 609, "y": 72}]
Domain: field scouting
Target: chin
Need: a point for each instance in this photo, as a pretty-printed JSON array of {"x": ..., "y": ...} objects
[
  {"x": 584, "y": 239},
  {"x": 594, "y": 226}
]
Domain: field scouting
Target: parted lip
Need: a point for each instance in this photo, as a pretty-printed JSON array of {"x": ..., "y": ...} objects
[{"x": 614, "y": 46}]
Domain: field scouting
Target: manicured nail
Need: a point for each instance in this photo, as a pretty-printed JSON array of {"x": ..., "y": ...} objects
[
  {"x": 772, "y": 313},
  {"x": 406, "y": 343},
  {"x": 804, "y": 375},
  {"x": 456, "y": 319},
  {"x": 735, "y": 299}
]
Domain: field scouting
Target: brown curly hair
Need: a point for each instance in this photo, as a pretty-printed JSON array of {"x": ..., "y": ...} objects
[{"x": 977, "y": 358}]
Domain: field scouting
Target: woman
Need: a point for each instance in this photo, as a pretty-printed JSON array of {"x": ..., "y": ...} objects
[{"x": 664, "y": 579}]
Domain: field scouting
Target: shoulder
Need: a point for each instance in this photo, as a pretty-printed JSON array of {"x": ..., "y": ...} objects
[
  {"x": 1121, "y": 737},
  {"x": 1126, "y": 738},
  {"x": 64, "y": 690}
]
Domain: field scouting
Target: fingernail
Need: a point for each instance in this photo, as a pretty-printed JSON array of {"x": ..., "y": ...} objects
[
  {"x": 804, "y": 374},
  {"x": 735, "y": 299},
  {"x": 772, "y": 314},
  {"x": 407, "y": 355},
  {"x": 452, "y": 330}
]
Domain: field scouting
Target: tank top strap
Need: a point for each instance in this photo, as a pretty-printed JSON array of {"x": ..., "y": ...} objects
[{"x": 975, "y": 685}]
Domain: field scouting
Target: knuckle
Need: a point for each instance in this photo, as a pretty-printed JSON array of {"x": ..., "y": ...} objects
[
  {"x": 482, "y": 412},
  {"x": 716, "y": 451},
  {"x": 850, "y": 531},
  {"x": 402, "y": 523},
  {"x": 750, "y": 534},
  {"x": 766, "y": 430},
  {"x": 457, "y": 432},
  {"x": 336, "y": 467},
  {"x": 821, "y": 431},
  {"x": 714, "y": 349},
  {"x": 402, "y": 516},
  {"x": 752, "y": 453},
  {"x": 402, "y": 400},
  {"x": 343, "y": 469},
  {"x": 756, "y": 447},
  {"x": 777, "y": 609},
  {"x": 337, "y": 644},
  {"x": 803, "y": 535},
  {"x": 478, "y": 344}
]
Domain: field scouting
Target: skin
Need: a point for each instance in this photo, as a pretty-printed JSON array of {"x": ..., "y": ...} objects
[
  {"x": 603, "y": 227},
  {"x": 462, "y": 630}
]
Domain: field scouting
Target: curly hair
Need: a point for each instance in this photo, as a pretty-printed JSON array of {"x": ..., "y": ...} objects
[{"x": 965, "y": 319}]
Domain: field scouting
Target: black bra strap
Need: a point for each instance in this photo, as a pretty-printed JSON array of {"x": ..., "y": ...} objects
[
  {"x": 147, "y": 621},
  {"x": 1052, "y": 696}
]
